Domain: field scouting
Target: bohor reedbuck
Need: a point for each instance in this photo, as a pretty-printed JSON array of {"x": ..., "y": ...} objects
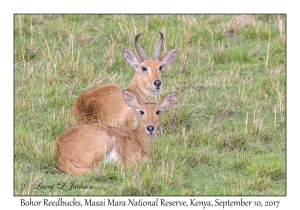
[
  {"x": 80, "y": 148},
  {"x": 104, "y": 104}
]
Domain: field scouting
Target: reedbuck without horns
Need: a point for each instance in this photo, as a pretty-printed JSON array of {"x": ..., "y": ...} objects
[
  {"x": 80, "y": 148},
  {"x": 104, "y": 104}
]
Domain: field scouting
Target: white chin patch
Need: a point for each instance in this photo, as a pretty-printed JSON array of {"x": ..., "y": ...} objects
[{"x": 154, "y": 89}]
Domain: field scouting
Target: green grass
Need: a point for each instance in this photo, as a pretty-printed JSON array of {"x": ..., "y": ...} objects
[{"x": 225, "y": 136}]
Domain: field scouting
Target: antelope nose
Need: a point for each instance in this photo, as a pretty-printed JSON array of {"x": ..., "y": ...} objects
[
  {"x": 150, "y": 129},
  {"x": 157, "y": 83}
]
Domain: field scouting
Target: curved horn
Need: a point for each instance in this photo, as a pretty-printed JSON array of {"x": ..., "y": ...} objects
[
  {"x": 158, "y": 47},
  {"x": 140, "y": 51}
]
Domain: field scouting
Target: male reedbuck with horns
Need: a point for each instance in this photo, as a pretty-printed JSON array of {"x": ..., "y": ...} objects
[
  {"x": 104, "y": 104},
  {"x": 80, "y": 148}
]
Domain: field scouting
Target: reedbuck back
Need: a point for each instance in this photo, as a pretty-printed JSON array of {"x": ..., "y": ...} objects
[
  {"x": 80, "y": 148},
  {"x": 104, "y": 104}
]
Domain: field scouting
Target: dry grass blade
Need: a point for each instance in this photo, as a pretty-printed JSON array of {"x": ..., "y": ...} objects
[{"x": 238, "y": 22}]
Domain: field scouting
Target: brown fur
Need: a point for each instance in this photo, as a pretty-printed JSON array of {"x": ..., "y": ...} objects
[
  {"x": 104, "y": 104},
  {"x": 81, "y": 147}
]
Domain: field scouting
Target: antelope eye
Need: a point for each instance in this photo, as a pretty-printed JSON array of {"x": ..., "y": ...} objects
[
  {"x": 142, "y": 112},
  {"x": 160, "y": 68},
  {"x": 158, "y": 112},
  {"x": 144, "y": 68}
]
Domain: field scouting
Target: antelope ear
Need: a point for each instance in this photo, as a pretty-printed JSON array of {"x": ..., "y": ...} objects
[
  {"x": 130, "y": 99},
  {"x": 169, "y": 57},
  {"x": 131, "y": 58},
  {"x": 168, "y": 101}
]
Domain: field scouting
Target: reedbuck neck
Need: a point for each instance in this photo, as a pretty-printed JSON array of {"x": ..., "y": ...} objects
[
  {"x": 82, "y": 147},
  {"x": 147, "y": 83}
]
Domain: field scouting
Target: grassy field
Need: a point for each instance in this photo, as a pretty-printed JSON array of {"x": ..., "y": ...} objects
[{"x": 225, "y": 136}]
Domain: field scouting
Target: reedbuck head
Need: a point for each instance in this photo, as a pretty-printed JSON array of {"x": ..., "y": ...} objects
[
  {"x": 148, "y": 112},
  {"x": 148, "y": 70}
]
